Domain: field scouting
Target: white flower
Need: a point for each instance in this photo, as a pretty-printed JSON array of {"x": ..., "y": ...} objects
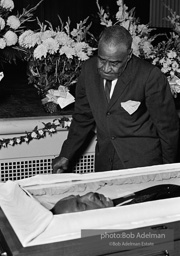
[
  {"x": 119, "y": 2},
  {"x": 68, "y": 51},
  {"x": 171, "y": 54},
  {"x": 52, "y": 130},
  {"x": 147, "y": 48},
  {"x": 26, "y": 139},
  {"x": 135, "y": 45},
  {"x": 2, "y": 23},
  {"x": 23, "y": 37},
  {"x": 171, "y": 72},
  {"x": 11, "y": 38},
  {"x": 11, "y": 142},
  {"x": 56, "y": 122},
  {"x": 18, "y": 140},
  {"x": 143, "y": 29},
  {"x": 51, "y": 45},
  {"x": 126, "y": 25},
  {"x": 47, "y": 34},
  {"x": 33, "y": 135},
  {"x": 175, "y": 65},
  {"x": 41, "y": 132},
  {"x": 82, "y": 56},
  {"x": 75, "y": 32},
  {"x": 40, "y": 51},
  {"x": 7, "y": 4},
  {"x": 63, "y": 39},
  {"x": 2, "y": 43},
  {"x": 67, "y": 123},
  {"x": 29, "y": 39},
  {"x": 105, "y": 21},
  {"x": 13, "y": 22}
]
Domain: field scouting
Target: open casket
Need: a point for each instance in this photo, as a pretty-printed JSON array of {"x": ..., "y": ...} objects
[{"x": 29, "y": 228}]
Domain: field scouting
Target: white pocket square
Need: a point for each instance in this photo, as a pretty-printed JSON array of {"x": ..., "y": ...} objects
[{"x": 130, "y": 106}]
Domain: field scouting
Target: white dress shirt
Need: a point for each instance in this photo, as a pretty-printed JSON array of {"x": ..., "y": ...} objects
[{"x": 112, "y": 86}]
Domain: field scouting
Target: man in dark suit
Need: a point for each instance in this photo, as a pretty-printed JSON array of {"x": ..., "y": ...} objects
[{"x": 136, "y": 122}]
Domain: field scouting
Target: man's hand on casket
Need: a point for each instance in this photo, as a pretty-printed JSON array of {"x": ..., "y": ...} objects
[{"x": 60, "y": 164}]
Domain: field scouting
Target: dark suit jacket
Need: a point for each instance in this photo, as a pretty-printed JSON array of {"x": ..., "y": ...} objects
[{"x": 149, "y": 136}]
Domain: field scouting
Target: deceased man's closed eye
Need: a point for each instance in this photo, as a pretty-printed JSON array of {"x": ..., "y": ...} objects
[{"x": 92, "y": 200}]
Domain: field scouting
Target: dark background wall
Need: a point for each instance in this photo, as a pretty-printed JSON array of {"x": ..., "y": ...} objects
[{"x": 80, "y": 9}]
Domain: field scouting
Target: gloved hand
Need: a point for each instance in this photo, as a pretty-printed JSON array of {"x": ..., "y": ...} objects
[{"x": 60, "y": 164}]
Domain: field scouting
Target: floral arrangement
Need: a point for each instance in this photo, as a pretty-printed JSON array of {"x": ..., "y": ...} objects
[
  {"x": 49, "y": 128},
  {"x": 142, "y": 41},
  {"x": 55, "y": 56},
  {"x": 11, "y": 26},
  {"x": 166, "y": 54}
]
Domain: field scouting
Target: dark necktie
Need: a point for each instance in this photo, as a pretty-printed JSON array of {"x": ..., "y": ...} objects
[{"x": 107, "y": 88}]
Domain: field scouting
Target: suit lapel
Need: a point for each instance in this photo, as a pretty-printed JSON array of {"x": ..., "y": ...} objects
[
  {"x": 122, "y": 83},
  {"x": 100, "y": 90}
]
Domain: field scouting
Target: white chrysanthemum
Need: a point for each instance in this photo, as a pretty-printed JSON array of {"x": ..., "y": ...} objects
[
  {"x": 32, "y": 39},
  {"x": 2, "y": 43},
  {"x": 23, "y": 36},
  {"x": 79, "y": 46},
  {"x": 80, "y": 50},
  {"x": 40, "y": 51},
  {"x": 2, "y": 23},
  {"x": 7, "y": 4},
  {"x": 47, "y": 34},
  {"x": 35, "y": 39},
  {"x": 13, "y": 22},
  {"x": 82, "y": 56},
  {"x": 11, "y": 38},
  {"x": 51, "y": 45},
  {"x": 63, "y": 39},
  {"x": 68, "y": 51}
]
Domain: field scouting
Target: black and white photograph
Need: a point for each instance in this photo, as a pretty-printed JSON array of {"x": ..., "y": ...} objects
[{"x": 89, "y": 127}]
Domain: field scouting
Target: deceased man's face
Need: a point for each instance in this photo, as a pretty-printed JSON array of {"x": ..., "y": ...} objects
[{"x": 78, "y": 203}]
